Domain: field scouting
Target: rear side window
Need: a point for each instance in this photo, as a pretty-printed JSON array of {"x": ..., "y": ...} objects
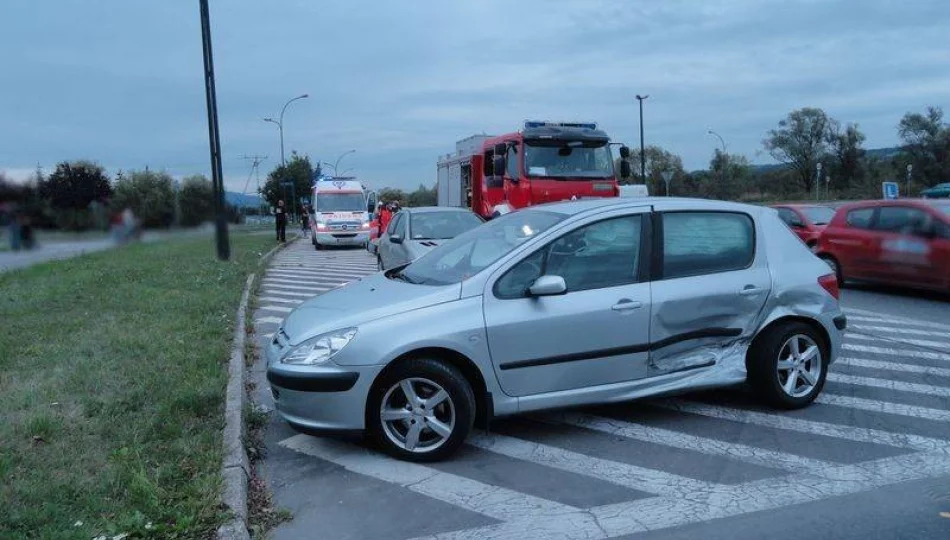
[
  {"x": 901, "y": 219},
  {"x": 860, "y": 219},
  {"x": 395, "y": 223},
  {"x": 696, "y": 243}
]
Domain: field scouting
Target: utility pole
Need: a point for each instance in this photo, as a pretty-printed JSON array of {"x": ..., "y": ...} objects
[
  {"x": 643, "y": 156},
  {"x": 214, "y": 141},
  {"x": 817, "y": 180},
  {"x": 255, "y": 171}
]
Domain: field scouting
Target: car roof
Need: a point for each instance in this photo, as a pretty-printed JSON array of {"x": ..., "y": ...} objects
[
  {"x": 914, "y": 203},
  {"x": 581, "y": 206},
  {"x": 801, "y": 205},
  {"x": 433, "y": 209}
]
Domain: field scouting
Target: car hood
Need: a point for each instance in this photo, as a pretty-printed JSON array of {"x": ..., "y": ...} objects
[
  {"x": 370, "y": 298},
  {"x": 418, "y": 248}
]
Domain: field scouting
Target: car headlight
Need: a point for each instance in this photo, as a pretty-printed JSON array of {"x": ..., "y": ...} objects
[{"x": 320, "y": 349}]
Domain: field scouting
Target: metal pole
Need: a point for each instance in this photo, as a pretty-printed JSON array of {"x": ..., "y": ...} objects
[
  {"x": 337, "y": 164},
  {"x": 217, "y": 180},
  {"x": 721, "y": 140},
  {"x": 643, "y": 156},
  {"x": 817, "y": 180},
  {"x": 280, "y": 124},
  {"x": 910, "y": 168}
]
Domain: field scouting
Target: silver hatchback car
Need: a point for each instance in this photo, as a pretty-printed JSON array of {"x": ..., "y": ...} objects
[{"x": 561, "y": 305}]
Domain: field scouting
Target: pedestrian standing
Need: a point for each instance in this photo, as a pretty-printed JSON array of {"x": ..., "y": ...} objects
[
  {"x": 305, "y": 221},
  {"x": 384, "y": 215},
  {"x": 280, "y": 218}
]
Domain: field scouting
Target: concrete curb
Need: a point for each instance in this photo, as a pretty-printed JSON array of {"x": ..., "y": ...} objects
[{"x": 236, "y": 467}]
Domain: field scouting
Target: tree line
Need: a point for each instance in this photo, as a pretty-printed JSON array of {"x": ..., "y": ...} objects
[
  {"x": 80, "y": 195},
  {"x": 800, "y": 142}
]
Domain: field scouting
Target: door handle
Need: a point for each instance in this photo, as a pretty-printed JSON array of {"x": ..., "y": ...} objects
[
  {"x": 625, "y": 304},
  {"x": 751, "y": 291}
]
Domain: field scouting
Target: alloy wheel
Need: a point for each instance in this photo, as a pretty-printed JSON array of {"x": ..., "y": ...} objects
[
  {"x": 799, "y": 365},
  {"x": 417, "y": 415}
]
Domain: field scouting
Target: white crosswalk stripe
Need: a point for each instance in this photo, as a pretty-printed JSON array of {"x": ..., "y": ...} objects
[
  {"x": 268, "y": 320},
  {"x": 676, "y": 439},
  {"x": 897, "y": 353},
  {"x": 281, "y": 287},
  {"x": 900, "y": 386},
  {"x": 919, "y": 342},
  {"x": 777, "y": 421},
  {"x": 890, "y": 319},
  {"x": 893, "y": 366},
  {"x": 492, "y": 501},
  {"x": 268, "y": 300},
  {"x": 623, "y": 474},
  {"x": 872, "y": 405},
  {"x": 902, "y": 331}
]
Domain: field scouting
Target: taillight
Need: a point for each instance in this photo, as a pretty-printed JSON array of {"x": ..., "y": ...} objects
[{"x": 830, "y": 283}]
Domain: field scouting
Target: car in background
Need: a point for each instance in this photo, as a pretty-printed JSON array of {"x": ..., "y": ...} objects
[
  {"x": 806, "y": 220},
  {"x": 901, "y": 242},
  {"x": 560, "y": 305},
  {"x": 940, "y": 191},
  {"x": 413, "y": 232}
]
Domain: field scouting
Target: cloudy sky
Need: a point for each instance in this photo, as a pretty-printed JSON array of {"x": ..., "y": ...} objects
[{"x": 120, "y": 81}]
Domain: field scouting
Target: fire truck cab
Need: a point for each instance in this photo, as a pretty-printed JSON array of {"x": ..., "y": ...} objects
[{"x": 544, "y": 162}]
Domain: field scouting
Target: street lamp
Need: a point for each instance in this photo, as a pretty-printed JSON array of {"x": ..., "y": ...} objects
[
  {"x": 337, "y": 163},
  {"x": 643, "y": 156},
  {"x": 817, "y": 180},
  {"x": 721, "y": 140},
  {"x": 280, "y": 124}
]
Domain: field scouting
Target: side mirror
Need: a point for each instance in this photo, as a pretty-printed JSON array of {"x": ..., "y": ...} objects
[
  {"x": 501, "y": 149},
  {"x": 395, "y": 239},
  {"x": 624, "y": 169},
  {"x": 548, "y": 286},
  {"x": 625, "y": 152},
  {"x": 498, "y": 164}
]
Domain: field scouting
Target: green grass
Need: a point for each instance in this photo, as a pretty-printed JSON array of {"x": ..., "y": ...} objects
[{"x": 113, "y": 369}]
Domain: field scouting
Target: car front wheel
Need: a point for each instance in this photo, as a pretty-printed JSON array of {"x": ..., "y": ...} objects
[
  {"x": 788, "y": 365},
  {"x": 421, "y": 411}
]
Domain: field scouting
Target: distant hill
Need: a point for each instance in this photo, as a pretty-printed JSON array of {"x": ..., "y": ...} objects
[{"x": 241, "y": 200}]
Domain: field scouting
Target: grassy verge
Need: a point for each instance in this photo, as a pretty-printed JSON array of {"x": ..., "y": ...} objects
[{"x": 112, "y": 375}]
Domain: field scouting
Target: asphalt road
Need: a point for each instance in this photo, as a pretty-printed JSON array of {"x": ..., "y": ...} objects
[{"x": 870, "y": 460}]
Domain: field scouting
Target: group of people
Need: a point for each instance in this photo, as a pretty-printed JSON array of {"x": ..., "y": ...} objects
[{"x": 385, "y": 213}]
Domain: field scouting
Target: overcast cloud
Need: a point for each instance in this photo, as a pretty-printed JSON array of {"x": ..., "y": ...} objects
[{"x": 120, "y": 81}]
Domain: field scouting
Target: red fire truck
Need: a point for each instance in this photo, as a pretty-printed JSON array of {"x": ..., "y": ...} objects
[{"x": 544, "y": 162}]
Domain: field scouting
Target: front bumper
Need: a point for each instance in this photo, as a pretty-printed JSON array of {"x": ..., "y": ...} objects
[
  {"x": 341, "y": 238},
  {"x": 328, "y": 399}
]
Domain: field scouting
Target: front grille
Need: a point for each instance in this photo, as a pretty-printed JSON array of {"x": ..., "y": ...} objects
[{"x": 344, "y": 225}]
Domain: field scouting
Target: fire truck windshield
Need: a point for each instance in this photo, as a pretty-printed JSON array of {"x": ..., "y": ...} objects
[
  {"x": 340, "y": 202},
  {"x": 568, "y": 159}
]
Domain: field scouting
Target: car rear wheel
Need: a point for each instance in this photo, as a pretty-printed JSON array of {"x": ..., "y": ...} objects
[
  {"x": 421, "y": 411},
  {"x": 788, "y": 365},
  {"x": 835, "y": 267}
]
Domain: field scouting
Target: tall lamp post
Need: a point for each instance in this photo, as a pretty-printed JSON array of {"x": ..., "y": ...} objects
[
  {"x": 817, "y": 180},
  {"x": 336, "y": 164},
  {"x": 280, "y": 128},
  {"x": 214, "y": 142},
  {"x": 643, "y": 156},
  {"x": 725, "y": 158}
]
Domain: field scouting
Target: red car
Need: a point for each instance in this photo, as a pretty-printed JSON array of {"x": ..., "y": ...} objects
[
  {"x": 901, "y": 242},
  {"x": 806, "y": 220}
]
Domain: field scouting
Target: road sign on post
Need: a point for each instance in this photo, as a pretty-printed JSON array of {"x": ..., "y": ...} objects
[
  {"x": 890, "y": 190},
  {"x": 667, "y": 176}
]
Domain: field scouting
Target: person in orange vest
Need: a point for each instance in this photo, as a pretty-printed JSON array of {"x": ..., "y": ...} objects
[{"x": 384, "y": 216}]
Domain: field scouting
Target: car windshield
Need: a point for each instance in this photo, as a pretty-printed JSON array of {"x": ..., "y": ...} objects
[
  {"x": 568, "y": 159},
  {"x": 818, "y": 215},
  {"x": 340, "y": 202},
  {"x": 441, "y": 225},
  {"x": 472, "y": 251}
]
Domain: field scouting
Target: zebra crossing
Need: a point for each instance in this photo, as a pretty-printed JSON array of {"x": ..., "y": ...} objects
[{"x": 619, "y": 470}]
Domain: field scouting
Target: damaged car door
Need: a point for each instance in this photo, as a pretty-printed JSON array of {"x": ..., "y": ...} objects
[{"x": 710, "y": 285}]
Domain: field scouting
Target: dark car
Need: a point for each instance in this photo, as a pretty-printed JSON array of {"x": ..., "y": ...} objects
[
  {"x": 940, "y": 191},
  {"x": 806, "y": 220}
]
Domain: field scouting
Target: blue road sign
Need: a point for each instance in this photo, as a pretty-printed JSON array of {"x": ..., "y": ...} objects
[{"x": 890, "y": 190}]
